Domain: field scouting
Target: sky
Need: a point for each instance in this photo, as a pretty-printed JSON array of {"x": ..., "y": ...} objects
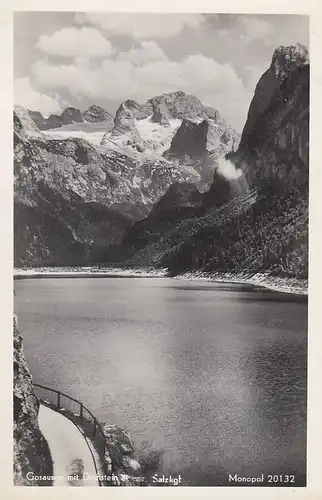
[{"x": 81, "y": 58}]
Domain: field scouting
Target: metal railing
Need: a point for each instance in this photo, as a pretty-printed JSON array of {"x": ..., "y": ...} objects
[{"x": 75, "y": 411}]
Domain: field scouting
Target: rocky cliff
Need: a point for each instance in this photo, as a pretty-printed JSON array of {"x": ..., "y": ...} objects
[
  {"x": 275, "y": 140},
  {"x": 203, "y": 132},
  {"x": 30, "y": 449}
]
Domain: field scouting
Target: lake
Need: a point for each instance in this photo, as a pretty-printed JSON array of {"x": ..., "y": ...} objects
[{"x": 212, "y": 374}]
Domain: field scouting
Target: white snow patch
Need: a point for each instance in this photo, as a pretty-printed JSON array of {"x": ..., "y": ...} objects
[
  {"x": 159, "y": 135},
  {"x": 92, "y": 137}
]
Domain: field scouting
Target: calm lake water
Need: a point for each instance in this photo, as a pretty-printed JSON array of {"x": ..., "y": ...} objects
[{"x": 212, "y": 374}]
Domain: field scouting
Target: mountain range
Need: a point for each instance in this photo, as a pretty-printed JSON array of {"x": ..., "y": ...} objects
[{"x": 169, "y": 183}]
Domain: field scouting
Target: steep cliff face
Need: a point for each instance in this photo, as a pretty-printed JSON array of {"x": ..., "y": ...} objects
[
  {"x": 275, "y": 140},
  {"x": 190, "y": 139},
  {"x": 160, "y": 114},
  {"x": 30, "y": 450},
  {"x": 196, "y": 140}
]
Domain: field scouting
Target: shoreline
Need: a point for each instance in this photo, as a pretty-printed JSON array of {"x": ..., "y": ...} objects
[{"x": 293, "y": 286}]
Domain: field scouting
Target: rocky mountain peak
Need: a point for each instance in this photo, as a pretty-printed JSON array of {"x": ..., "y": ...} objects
[
  {"x": 287, "y": 58},
  {"x": 178, "y": 105},
  {"x": 285, "y": 61},
  {"x": 71, "y": 115},
  {"x": 23, "y": 123},
  {"x": 54, "y": 121},
  {"x": 275, "y": 141},
  {"x": 139, "y": 111},
  {"x": 124, "y": 120},
  {"x": 125, "y": 128},
  {"x": 160, "y": 114}
]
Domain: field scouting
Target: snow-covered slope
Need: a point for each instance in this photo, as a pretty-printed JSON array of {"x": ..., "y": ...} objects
[
  {"x": 65, "y": 133},
  {"x": 151, "y": 139}
]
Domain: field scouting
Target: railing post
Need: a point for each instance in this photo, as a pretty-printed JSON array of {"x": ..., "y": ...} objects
[
  {"x": 94, "y": 426},
  {"x": 58, "y": 400},
  {"x": 81, "y": 411}
]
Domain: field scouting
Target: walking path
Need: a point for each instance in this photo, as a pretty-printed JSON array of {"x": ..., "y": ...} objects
[{"x": 69, "y": 450}]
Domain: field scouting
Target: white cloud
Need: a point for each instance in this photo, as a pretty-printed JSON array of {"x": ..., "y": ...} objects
[
  {"x": 289, "y": 32},
  {"x": 141, "y": 25},
  {"x": 253, "y": 28},
  {"x": 284, "y": 30},
  {"x": 28, "y": 97},
  {"x": 72, "y": 42},
  {"x": 148, "y": 52},
  {"x": 214, "y": 84},
  {"x": 253, "y": 74},
  {"x": 246, "y": 29}
]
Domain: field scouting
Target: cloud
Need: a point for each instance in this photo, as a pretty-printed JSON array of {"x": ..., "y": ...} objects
[
  {"x": 213, "y": 83},
  {"x": 72, "y": 42},
  {"x": 141, "y": 25},
  {"x": 246, "y": 29},
  {"x": 28, "y": 97},
  {"x": 253, "y": 28},
  {"x": 291, "y": 29},
  {"x": 253, "y": 74},
  {"x": 269, "y": 30}
]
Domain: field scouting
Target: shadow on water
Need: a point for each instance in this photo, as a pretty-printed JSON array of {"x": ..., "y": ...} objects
[{"x": 244, "y": 292}]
